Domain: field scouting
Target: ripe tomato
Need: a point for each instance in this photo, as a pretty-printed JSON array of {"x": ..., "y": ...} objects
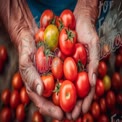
[
  {"x": 95, "y": 110},
  {"x": 43, "y": 59},
  {"x": 102, "y": 104},
  {"x": 24, "y": 96},
  {"x": 59, "y": 23},
  {"x": 51, "y": 35},
  {"x": 119, "y": 98},
  {"x": 82, "y": 84},
  {"x": 14, "y": 99},
  {"x": 5, "y": 96},
  {"x": 99, "y": 89},
  {"x": 3, "y": 53},
  {"x": 107, "y": 82},
  {"x": 20, "y": 112},
  {"x": 46, "y": 18},
  {"x": 17, "y": 82},
  {"x": 103, "y": 118},
  {"x": 79, "y": 119},
  {"x": 67, "y": 40},
  {"x": 102, "y": 69},
  {"x": 37, "y": 117},
  {"x": 70, "y": 69},
  {"x": 39, "y": 36},
  {"x": 87, "y": 118},
  {"x": 49, "y": 84},
  {"x": 67, "y": 96},
  {"x": 57, "y": 68},
  {"x": 80, "y": 53},
  {"x": 118, "y": 61},
  {"x": 68, "y": 19},
  {"x": 5, "y": 115}
]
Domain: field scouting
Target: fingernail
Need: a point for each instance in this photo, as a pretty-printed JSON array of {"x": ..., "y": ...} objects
[
  {"x": 94, "y": 79},
  {"x": 38, "y": 89}
]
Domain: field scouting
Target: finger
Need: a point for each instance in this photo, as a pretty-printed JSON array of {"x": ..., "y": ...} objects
[
  {"x": 69, "y": 116},
  {"x": 88, "y": 100},
  {"x": 45, "y": 107},
  {"x": 77, "y": 110}
]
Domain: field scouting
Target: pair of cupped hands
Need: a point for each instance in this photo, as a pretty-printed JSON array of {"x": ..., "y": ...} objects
[{"x": 21, "y": 27}]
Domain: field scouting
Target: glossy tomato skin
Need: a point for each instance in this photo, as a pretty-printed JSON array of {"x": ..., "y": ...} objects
[
  {"x": 107, "y": 82},
  {"x": 103, "y": 106},
  {"x": 49, "y": 84},
  {"x": 80, "y": 53},
  {"x": 82, "y": 84},
  {"x": 87, "y": 118},
  {"x": 3, "y": 53},
  {"x": 118, "y": 61},
  {"x": 39, "y": 36},
  {"x": 37, "y": 117},
  {"x": 5, "y": 96},
  {"x": 24, "y": 96},
  {"x": 67, "y": 40},
  {"x": 20, "y": 112},
  {"x": 57, "y": 68},
  {"x": 67, "y": 96},
  {"x": 17, "y": 82},
  {"x": 14, "y": 99},
  {"x": 46, "y": 18},
  {"x": 99, "y": 89},
  {"x": 68, "y": 19},
  {"x": 70, "y": 69},
  {"x": 5, "y": 115}
]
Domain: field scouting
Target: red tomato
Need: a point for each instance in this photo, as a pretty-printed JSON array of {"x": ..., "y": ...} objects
[
  {"x": 70, "y": 69},
  {"x": 17, "y": 82},
  {"x": 39, "y": 36},
  {"x": 20, "y": 112},
  {"x": 119, "y": 98},
  {"x": 5, "y": 115},
  {"x": 14, "y": 99},
  {"x": 5, "y": 96},
  {"x": 118, "y": 61},
  {"x": 102, "y": 69},
  {"x": 68, "y": 19},
  {"x": 103, "y": 106},
  {"x": 49, "y": 84},
  {"x": 80, "y": 53},
  {"x": 24, "y": 96},
  {"x": 87, "y": 118},
  {"x": 67, "y": 40},
  {"x": 37, "y": 117},
  {"x": 67, "y": 96},
  {"x": 43, "y": 60},
  {"x": 99, "y": 88},
  {"x": 82, "y": 84},
  {"x": 3, "y": 53},
  {"x": 103, "y": 118},
  {"x": 59, "y": 23},
  {"x": 79, "y": 120},
  {"x": 46, "y": 18},
  {"x": 57, "y": 68},
  {"x": 95, "y": 110}
]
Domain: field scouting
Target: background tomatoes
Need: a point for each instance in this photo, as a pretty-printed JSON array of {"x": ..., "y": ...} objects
[
  {"x": 37, "y": 117},
  {"x": 3, "y": 53},
  {"x": 87, "y": 118}
]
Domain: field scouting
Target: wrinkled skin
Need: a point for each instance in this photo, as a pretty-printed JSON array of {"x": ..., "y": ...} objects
[{"x": 21, "y": 27}]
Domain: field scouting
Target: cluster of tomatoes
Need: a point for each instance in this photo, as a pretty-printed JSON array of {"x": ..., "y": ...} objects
[{"x": 15, "y": 102}]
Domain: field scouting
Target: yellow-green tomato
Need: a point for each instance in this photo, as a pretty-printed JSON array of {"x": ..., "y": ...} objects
[
  {"x": 107, "y": 82},
  {"x": 51, "y": 35}
]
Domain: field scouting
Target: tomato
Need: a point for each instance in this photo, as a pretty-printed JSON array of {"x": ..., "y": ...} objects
[
  {"x": 39, "y": 36},
  {"x": 79, "y": 119},
  {"x": 57, "y": 68},
  {"x": 68, "y": 19},
  {"x": 5, "y": 96},
  {"x": 116, "y": 81},
  {"x": 103, "y": 118},
  {"x": 37, "y": 117},
  {"x": 67, "y": 96},
  {"x": 103, "y": 106},
  {"x": 102, "y": 69},
  {"x": 87, "y": 118},
  {"x": 99, "y": 89},
  {"x": 17, "y": 82},
  {"x": 82, "y": 84},
  {"x": 95, "y": 110},
  {"x": 20, "y": 112},
  {"x": 46, "y": 18},
  {"x": 5, "y": 115},
  {"x": 49, "y": 84},
  {"x": 67, "y": 40},
  {"x": 51, "y": 35},
  {"x": 24, "y": 96},
  {"x": 3, "y": 53},
  {"x": 118, "y": 61},
  {"x": 70, "y": 69},
  {"x": 55, "y": 120},
  {"x": 80, "y": 54},
  {"x": 59, "y": 23},
  {"x": 14, "y": 99},
  {"x": 110, "y": 99},
  {"x": 119, "y": 98},
  {"x": 43, "y": 59},
  {"x": 107, "y": 82}
]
